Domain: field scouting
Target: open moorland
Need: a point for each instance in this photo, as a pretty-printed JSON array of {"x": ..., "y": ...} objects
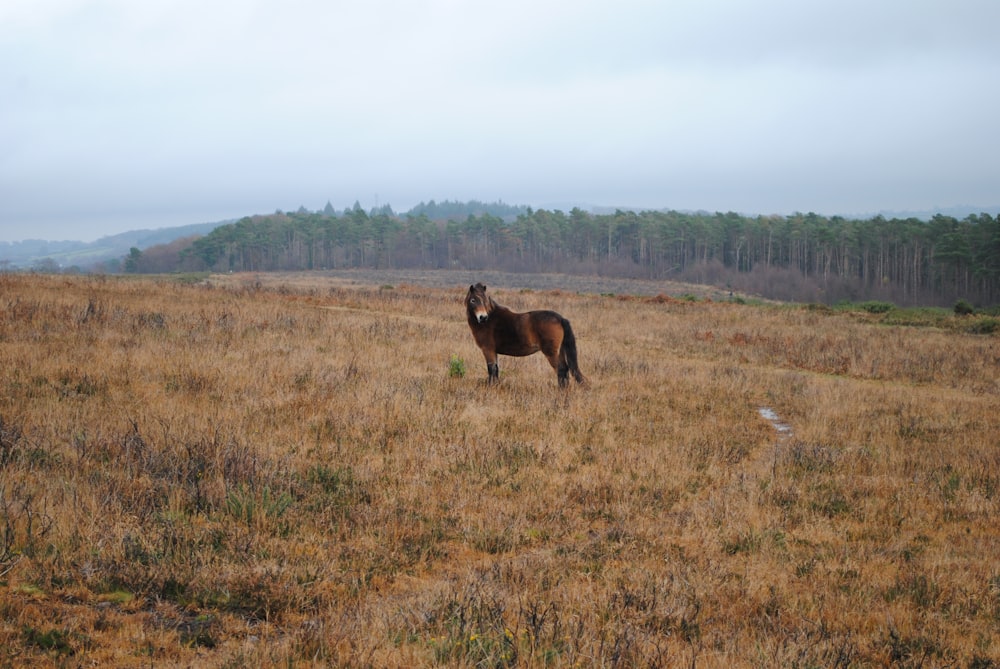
[{"x": 310, "y": 470}]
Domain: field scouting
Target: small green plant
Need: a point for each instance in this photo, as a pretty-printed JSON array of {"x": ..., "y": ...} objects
[{"x": 456, "y": 367}]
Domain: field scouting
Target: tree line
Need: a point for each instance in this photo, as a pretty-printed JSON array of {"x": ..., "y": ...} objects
[{"x": 802, "y": 257}]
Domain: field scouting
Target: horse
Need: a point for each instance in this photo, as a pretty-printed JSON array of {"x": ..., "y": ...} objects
[{"x": 498, "y": 330}]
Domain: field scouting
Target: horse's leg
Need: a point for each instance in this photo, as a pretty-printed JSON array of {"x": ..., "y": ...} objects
[
  {"x": 559, "y": 364},
  {"x": 568, "y": 355},
  {"x": 553, "y": 350},
  {"x": 563, "y": 373},
  {"x": 492, "y": 368}
]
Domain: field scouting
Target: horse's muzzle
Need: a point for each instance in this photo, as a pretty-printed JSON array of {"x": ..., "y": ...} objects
[{"x": 482, "y": 317}]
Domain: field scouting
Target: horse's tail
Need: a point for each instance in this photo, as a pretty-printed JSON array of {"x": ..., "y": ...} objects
[{"x": 568, "y": 352}]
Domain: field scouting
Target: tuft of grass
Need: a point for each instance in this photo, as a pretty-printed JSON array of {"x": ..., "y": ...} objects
[
  {"x": 253, "y": 508},
  {"x": 52, "y": 641},
  {"x": 117, "y": 597}
]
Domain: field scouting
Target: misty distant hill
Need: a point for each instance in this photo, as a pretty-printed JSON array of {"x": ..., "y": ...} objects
[
  {"x": 459, "y": 210},
  {"x": 85, "y": 255}
]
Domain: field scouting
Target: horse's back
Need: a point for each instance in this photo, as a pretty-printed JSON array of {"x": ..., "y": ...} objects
[
  {"x": 520, "y": 334},
  {"x": 545, "y": 317}
]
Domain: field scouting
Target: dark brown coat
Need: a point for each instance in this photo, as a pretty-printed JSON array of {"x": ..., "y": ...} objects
[{"x": 500, "y": 331}]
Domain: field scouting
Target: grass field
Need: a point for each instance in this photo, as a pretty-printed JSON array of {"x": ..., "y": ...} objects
[{"x": 275, "y": 470}]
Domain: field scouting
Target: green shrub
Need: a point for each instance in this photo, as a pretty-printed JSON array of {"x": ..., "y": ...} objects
[
  {"x": 874, "y": 307},
  {"x": 456, "y": 367},
  {"x": 985, "y": 326},
  {"x": 963, "y": 308}
]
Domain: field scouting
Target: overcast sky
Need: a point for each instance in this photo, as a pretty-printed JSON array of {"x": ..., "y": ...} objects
[{"x": 121, "y": 114}]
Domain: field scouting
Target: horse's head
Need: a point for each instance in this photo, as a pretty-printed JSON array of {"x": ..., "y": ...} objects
[{"x": 478, "y": 304}]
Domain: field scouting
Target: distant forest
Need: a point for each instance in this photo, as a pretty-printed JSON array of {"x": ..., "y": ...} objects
[{"x": 802, "y": 257}]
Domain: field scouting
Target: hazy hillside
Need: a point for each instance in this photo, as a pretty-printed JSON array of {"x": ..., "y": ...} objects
[{"x": 66, "y": 254}]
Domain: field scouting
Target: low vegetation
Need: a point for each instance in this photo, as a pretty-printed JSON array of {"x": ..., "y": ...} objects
[{"x": 246, "y": 470}]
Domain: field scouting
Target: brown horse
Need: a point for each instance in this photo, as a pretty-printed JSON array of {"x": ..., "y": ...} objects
[{"x": 498, "y": 330}]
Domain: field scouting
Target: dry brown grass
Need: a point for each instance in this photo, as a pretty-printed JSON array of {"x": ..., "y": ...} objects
[{"x": 258, "y": 472}]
